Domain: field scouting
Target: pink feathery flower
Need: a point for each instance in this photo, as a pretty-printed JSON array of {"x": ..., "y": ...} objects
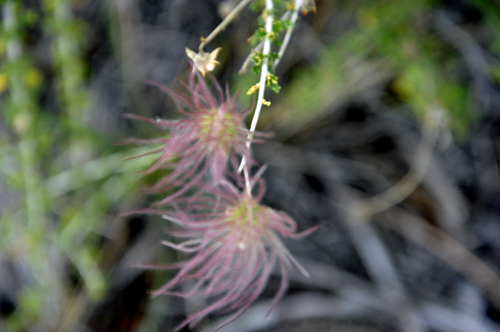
[
  {"x": 235, "y": 242},
  {"x": 211, "y": 135}
]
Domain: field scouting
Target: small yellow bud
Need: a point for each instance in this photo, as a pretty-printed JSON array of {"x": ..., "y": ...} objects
[
  {"x": 266, "y": 103},
  {"x": 253, "y": 89},
  {"x": 272, "y": 79}
]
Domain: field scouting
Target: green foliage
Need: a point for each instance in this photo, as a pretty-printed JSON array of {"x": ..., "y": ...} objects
[
  {"x": 61, "y": 192},
  {"x": 257, "y": 5},
  {"x": 398, "y": 33},
  {"x": 272, "y": 83},
  {"x": 258, "y": 59},
  {"x": 396, "y": 36}
]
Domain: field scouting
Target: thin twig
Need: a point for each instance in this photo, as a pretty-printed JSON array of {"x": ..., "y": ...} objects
[
  {"x": 288, "y": 34},
  {"x": 244, "y": 66},
  {"x": 248, "y": 184},
  {"x": 224, "y": 23},
  {"x": 263, "y": 75}
]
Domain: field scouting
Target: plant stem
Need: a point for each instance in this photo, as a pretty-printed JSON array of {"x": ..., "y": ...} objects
[
  {"x": 245, "y": 64},
  {"x": 243, "y": 68},
  {"x": 263, "y": 75},
  {"x": 223, "y": 24},
  {"x": 248, "y": 185},
  {"x": 288, "y": 34}
]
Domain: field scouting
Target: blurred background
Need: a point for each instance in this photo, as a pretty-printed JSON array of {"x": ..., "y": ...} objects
[{"x": 387, "y": 136}]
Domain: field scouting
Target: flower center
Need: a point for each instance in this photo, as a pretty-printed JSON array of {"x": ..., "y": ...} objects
[
  {"x": 244, "y": 223},
  {"x": 245, "y": 214},
  {"x": 219, "y": 128}
]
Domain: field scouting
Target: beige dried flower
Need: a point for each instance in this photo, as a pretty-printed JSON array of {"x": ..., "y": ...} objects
[{"x": 202, "y": 61}]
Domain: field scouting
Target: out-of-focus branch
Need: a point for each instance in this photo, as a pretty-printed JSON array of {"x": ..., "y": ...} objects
[
  {"x": 463, "y": 42},
  {"x": 440, "y": 244},
  {"x": 377, "y": 260},
  {"x": 354, "y": 298},
  {"x": 127, "y": 41},
  {"x": 402, "y": 189},
  {"x": 472, "y": 53}
]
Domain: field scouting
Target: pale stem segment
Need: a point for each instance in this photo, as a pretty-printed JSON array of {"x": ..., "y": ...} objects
[
  {"x": 263, "y": 76},
  {"x": 286, "y": 40}
]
